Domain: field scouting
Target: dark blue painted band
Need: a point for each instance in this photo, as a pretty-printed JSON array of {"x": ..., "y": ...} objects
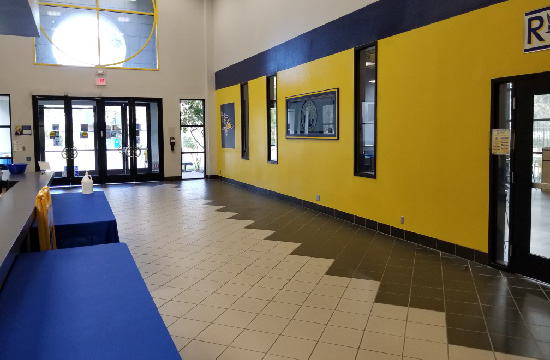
[
  {"x": 379, "y": 20},
  {"x": 536, "y": 48},
  {"x": 537, "y": 11}
]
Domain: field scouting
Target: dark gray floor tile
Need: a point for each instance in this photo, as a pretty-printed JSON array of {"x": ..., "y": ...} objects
[
  {"x": 368, "y": 275},
  {"x": 497, "y": 300},
  {"x": 476, "y": 340},
  {"x": 515, "y": 346},
  {"x": 399, "y": 270},
  {"x": 459, "y": 285},
  {"x": 501, "y": 312},
  {"x": 427, "y": 273},
  {"x": 527, "y": 293},
  {"x": 460, "y": 275},
  {"x": 536, "y": 318},
  {"x": 523, "y": 283},
  {"x": 544, "y": 347},
  {"x": 397, "y": 279},
  {"x": 462, "y": 308},
  {"x": 540, "y": 333},
  {"x": 508, "y": 328},
  {"x": 461, "y": 296},
  {"x": 401, "y": 289},
  {"x": 343, "y": 272},
  {"x": 427, "y": 281},
  {"x": 464, "y": 322},
  {"x": 427, "y": 292},
  {"x": 427, "y": 303},
  {"x": 392, "y": 299}
]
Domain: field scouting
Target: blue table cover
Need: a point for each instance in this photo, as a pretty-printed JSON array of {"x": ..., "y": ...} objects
[
  {"x": 80, "y": 304},
  {"x": 82, "y": 220}
]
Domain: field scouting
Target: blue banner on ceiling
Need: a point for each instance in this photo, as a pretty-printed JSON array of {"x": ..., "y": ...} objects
[{"x": 227, "y": 112}]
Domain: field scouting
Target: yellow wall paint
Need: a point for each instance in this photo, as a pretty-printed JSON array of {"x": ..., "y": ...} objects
[{"x": 434, "y": 99}]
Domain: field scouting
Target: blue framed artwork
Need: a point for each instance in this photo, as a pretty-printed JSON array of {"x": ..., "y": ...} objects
[
  {"x": 312, "y": 115},
  {"x": 227, "y": 113}
]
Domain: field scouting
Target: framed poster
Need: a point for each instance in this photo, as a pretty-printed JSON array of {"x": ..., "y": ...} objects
[
  {"x": 227, "y": 113},
  {"x": 313, "y": 115}
]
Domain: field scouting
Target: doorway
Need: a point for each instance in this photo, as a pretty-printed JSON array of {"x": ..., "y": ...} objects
[
  {"x": 193, "y": 152},
  {"x": 521, "y": 177},
  {"x": 114, "y": 140}
]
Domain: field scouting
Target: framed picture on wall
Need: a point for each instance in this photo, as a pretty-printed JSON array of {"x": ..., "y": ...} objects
[{"x": 313, "y": 115}]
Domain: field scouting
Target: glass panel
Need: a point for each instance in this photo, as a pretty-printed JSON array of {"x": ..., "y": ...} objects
[
  {"x": 136, "y": 30},
  {"x": 84, "y": 123},
  {"x": 272, "y": 120},
  {"x": 53, "y": 133},
  {"x": 86, "y": 3},
  {"x": 503, "y": 178},
  {"x": 192, "y": 112},
  {"x": 540, "y": 195},
  {"x": 116, "y": 138},
  {"x": 192, "y": 139},
  {"x": 5, "y": 143},
  {"x": 132, "y": 5},
  {"x": 192, "y": 166},
  {"x": 273, "y": 133},
  {"x": 112, "y": 44},
  {"x": 366, "y": 69},
  {"x": 5, "y": 111},
  {"x": 141, "y": 139}
]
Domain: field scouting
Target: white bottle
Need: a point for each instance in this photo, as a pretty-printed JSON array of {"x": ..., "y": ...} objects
[{"x": 87, "y": 184}]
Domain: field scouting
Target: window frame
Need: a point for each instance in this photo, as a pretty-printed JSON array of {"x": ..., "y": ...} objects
[
  {"x": 358, "y": 125},
  {"x": 269, "y": 107},
  {"x": 9, "y": 128},
  {"x": 245, "y": 131}
]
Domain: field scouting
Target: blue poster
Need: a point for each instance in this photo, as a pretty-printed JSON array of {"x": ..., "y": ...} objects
[{"x": 228, "y": 125}]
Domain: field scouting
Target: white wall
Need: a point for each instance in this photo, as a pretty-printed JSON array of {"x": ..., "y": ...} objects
[
  {"x": 243, "y": 28},
  {"x": 182, "y": 74}
]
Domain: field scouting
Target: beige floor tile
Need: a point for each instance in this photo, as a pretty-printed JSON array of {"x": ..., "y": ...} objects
[
  {"x": 426, "y": 317},
  {"x": 254, "y": 340},
  {"x": 426, "y": 332},
  {"x": 180, "y": 342},
  {"x": 159, "y": 279},
  {"x": 246, "y": 279},
  {"x": 280, "y": 309},
  {"x": 289, "y": 265},
  {"x": 373, "y": 355},
  {"x": 266, "y": 263},
  {"x": 181, "y": 282},
  {"x": 298, "y": 259},
  {"x": 240, "y": 354},
  {"x": 235, "y": 318},
  {"x": 192, "y": 296},
  {"x": 160, "y": 302},
  {"x": 272, "y": 283},
  {"x": 261, "y": 293},
  {"x": 384, "y": 343},
  {"x": 425, "y": 350},
  {"x": 196, "y": 273},
  {"x": 250, "y": 305},
  {"x": 176, "y": 308},
  {"x": 329, "y": 290},
  {"x": 355, "y": 306},
  {"x": 349, "y": 320},
  {"x": 317, "y": 315},
  {"x": 220, "y": 276},
  {"x": 314, "y": 269},
  {"x": 324, "y": 351},
  {"x": 359, "y": 294},
  {"x": 294, "y": 348},
  {"x": 390, "y": 311},
  {"x": 342, "y": 336},
  {"x": 187, "y": 328},
  {"x": 307, "y": 277},
  {"x": 334, "y": 280},
  {"x": 256, "y": 270},
  {"x": 169, "y": 320},
  {"x": 234, "y": 289},
  {"x": 323, "y": 302},
  {"x": 291, "y": 297},
  {"x": 275, "y": 357},
  {"x": 364, "y": 284},
  {"x": 220, "y": 300},
  {"x": 466, "y": 353},
  {"x": 204, "y": 313},
  {"x": 202, "y": 350},
  {"x": 267, "y": 323},
  {"x": 299, "y": 286},
  {"x": 386, "y": 326},
  {"x": 281, "y": 274},
  {"x": 207, "y": 285},
  {"x": 166, "y": 292},
  {"x": 219, "y": 334},
  {"x": 304, "y": 330}
]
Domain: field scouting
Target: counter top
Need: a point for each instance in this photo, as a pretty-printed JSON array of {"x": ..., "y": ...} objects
[{"x": 17, "y": 213}]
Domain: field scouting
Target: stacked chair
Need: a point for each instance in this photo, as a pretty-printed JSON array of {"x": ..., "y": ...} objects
[{"x": 44, "y": 217}]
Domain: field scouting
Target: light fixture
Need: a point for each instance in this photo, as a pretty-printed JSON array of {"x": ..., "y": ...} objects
[
  {"x": 369, "y": 63},
  {"x": 372, "y": 81},
  {"x": 53, "y": 13}
]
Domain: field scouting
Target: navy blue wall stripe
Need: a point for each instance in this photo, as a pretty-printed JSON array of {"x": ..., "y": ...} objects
[{"x": 379, "y": 20}]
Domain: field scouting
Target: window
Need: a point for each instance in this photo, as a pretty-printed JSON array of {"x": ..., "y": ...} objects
[
  {"x": 102, "y": 33},
  {"x": 365, "y": 115},
  {"x": 5, "y": 130},
  {"x": 244, "y": 121},
  {"x": 272, "y": 119},
  {"x": 193, "y": 154}
]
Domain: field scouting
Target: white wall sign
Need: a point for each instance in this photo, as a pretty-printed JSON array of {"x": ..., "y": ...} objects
[
  {"x": 536, "y": 30},
  {"x": 501, "y": 142}
]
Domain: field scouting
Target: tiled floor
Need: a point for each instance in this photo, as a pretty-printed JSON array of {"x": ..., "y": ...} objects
[{"x": 237, "y": 275}]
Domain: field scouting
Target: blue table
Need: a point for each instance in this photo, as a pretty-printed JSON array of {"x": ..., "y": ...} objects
[
  {"x": 82, "y": 220},
  {"x": 83, "y": 303}
]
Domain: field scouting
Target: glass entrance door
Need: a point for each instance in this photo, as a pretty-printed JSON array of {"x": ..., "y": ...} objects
[
  {"x": 521, "y": 178},
  {"x": 67, "y": 140},
  {"x": 115, "y": 140},
  {"x": 132, "y": 141}
]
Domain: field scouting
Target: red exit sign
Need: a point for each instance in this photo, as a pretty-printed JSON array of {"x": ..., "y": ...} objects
[{"x": 100, "y": 82}]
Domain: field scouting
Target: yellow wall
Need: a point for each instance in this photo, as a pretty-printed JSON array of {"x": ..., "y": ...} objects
[{"x": 434, "y": 107}]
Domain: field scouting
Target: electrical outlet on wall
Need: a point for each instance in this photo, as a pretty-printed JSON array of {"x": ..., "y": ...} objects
[
  {"x": 317, "y": 197},
  {"x": 402, "y": 219}
]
